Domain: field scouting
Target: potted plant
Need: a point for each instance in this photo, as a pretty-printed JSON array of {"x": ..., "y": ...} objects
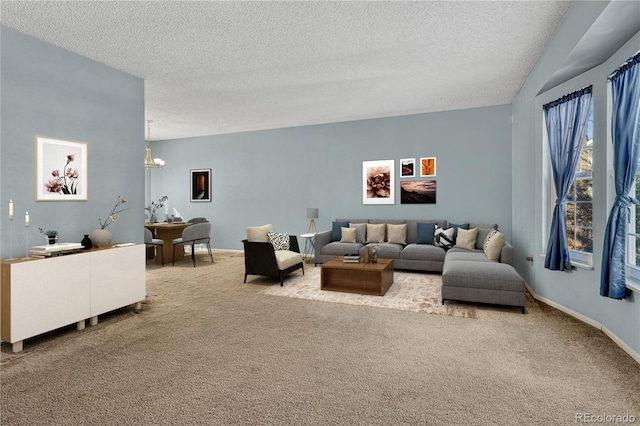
[{"x": 52, "y": 235}]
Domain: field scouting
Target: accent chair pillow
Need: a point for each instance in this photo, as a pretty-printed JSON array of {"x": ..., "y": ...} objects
[
  {"x": 397, "y": 234},
  {"x": 375, "y": 232},
  {"x": 348, "y": 235},
  {"x": 361, "y": 233},
  {"x": 279, "y": 240},
  {"x": 467, "y": 238},
  {"x": 493, "y": 245},
  {"x": 336, "y": 230},
  {"x": 444, "y": 237},
  {"x": 259, "y": 234},
  {"x": 426, "y": 233}
]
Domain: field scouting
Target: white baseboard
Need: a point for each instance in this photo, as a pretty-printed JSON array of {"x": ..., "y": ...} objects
[{"x": 617, "y": 340}]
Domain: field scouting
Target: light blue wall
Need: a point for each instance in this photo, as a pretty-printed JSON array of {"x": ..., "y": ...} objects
[
  {"x": 52, "y": 92},
  {"x": 576, "y": 291},
  {"x": 274, "y": 176}
]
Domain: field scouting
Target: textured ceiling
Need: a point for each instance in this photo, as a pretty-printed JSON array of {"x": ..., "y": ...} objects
[{"x": 221, "y": 67}]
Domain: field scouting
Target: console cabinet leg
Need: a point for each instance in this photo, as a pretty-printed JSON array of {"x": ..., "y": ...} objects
[
  {"x": 17, "y": 346},
  {"x": 93, "y": 320},
  {"x": 80, "y": 325},
  {"x": 138, "y": 306}
]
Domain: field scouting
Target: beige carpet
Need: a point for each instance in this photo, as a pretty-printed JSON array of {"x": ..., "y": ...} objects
[
  {"x": 411, "y": 291},
  {"x": 207, "y": 349}
]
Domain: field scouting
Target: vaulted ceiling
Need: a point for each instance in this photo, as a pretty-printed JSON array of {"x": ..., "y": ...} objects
[{"x": 221, "y": 67}]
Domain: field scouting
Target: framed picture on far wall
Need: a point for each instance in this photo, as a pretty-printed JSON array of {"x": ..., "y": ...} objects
[
  {"x": 61, "y": 170},
  {"x": 428, "y": 167},
  {"x": 378, "y": 182},
  {"x": 418, "y": 192},
  {"x": 200, "y": 185},
  {"x": 408, "y": 167}
]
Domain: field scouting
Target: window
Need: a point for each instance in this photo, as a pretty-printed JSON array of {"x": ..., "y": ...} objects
[
  {"x": 580, "y": 203},
  {"x": 633, "y": 240}
]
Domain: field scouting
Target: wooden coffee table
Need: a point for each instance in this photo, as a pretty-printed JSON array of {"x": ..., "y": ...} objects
[{"x": 363, "y": 278}]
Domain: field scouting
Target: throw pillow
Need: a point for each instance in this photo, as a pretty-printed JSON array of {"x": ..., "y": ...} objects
[
  {"x": 361, "y": 232},
  {"x": 426, "y": 233},
  {"x": 259, "y": 234},
  {"x": 455, "y": 229},
  {"x": 482, "y": 236},
  {"x": 397, "y": 234},
  {"x": 375, "y": 232},
  {"x": 336, "y": 230},
  {"x": 444, "y": 237},
  {"x": 348, "y": 235},
  {"x": 467, "y": 238},
  {"x": 279, "y": 240},
  {"x": 493, "y": 245}
]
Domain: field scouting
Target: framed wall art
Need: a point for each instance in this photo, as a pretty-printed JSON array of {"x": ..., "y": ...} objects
[
  {"x": 407, "y": 167},
  {"x": 378, "y": 182},
  {"x": 418, "y": 192},
  {"x": 428, "y": 167},
  {"x": 200, "y": 185},
  {"x": 61, "y": 170}
]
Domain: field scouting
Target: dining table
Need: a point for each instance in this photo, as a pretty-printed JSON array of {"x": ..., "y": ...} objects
[{"x": 167, "y": 232}]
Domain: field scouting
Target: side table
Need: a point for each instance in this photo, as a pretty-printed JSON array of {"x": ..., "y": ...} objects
[{"x": 309, "y": 250}]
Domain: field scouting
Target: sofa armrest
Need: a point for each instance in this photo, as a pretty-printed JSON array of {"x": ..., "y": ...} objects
[
  {"x": 508, "y": 254},
  {"x": 321, "y": 239}
]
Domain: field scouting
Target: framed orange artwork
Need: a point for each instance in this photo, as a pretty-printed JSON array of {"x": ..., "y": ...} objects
[{"x": 427, "y": 166}]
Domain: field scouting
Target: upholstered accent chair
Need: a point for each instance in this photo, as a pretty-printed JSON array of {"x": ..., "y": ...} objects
[
  {"x": 157, "y": 243},
  {"x": 198, "y": 233},
  {"x": 271, "y": 254}
]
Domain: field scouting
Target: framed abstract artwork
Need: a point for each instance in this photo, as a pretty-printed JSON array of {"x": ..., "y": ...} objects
[
  {"x": 61, "y": 170},
  {"x": 200, "y": 185},
  {"x": 418, "y": 192},
  {"x": 407, "y": 167},
  {"x": 428, "y": 167},
  {"x": 378, "y": 182}
]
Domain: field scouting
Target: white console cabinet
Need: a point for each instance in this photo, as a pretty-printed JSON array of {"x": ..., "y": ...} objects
[{"x": 40, "y": 295}]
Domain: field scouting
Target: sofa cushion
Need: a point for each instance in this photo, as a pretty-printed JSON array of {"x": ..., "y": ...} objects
[
  {"x": 426, "y": 233},
  {"x": 348, "y": 235},
  {"x": 259, "y": 234},
  {"x": 286, "y": 259},
  {"x": 397, "y": 234},
  {"x": 456, "y": 254},
  {"x": 388, "y": 250},
  {"x": 361, "y": 233},
  {"x": 482, "y": 275},
  {"x": 337, "y": 248},
  {"x": 423, "y": 252},
  {"x": 279, "y": 240},
  {"x": 336, "y": 230},
  {"x": 467, "y": 238},
  {"x": 493, "y": 245},
  {"x": 375, "y": 232},
  {"x": 444, "y": 237}
]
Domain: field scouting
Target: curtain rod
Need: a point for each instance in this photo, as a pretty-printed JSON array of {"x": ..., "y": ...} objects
[
  {"x": 634, "y": 60},
  {"x": 567, "y": 98}
]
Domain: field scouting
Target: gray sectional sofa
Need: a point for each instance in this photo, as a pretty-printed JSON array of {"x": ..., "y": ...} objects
[{"x": 467, "y": 275}]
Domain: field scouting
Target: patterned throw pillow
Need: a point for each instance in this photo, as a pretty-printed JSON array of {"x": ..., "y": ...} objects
[
  {"x": 493, "y": 244},
  {"x": 279, "y": 240},
  {"x": 444, "y": 237}
]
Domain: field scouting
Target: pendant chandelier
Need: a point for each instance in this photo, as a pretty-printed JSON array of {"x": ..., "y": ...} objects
[{"x": 150, "y": 163}]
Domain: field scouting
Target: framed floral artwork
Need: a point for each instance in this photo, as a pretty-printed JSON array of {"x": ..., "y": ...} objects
[
  {"x": 61, "y": 170},
  {"x": 378, "y": 182},
  {"x": 200, "y": 185},
  {"x": 428, "y": 167},
  {"x": 407, "y": 167}
]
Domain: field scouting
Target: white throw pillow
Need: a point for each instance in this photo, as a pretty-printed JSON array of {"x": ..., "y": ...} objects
[
  {"x": 375, "y": 232},
  {"x": 467, "y": 238},
  {"x": 397, "y": 234},
  {"x": 493, "y": 245},
  {"x": 348, "y": 235}
]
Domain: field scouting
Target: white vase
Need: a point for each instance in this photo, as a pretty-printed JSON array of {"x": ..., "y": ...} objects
[{"x": 101, "y": 238}]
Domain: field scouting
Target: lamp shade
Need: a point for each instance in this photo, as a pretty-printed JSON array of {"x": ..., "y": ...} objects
[{"x": 312, "y": 213}]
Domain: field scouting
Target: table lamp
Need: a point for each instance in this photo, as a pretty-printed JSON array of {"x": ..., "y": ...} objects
[{"x": 312, "y": 214}]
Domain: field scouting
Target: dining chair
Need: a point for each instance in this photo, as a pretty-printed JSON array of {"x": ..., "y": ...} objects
[
  {"x": 149, "y": 241},
  {"x": 198, "y": 233}
]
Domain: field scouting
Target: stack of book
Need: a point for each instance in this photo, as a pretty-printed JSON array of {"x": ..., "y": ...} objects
[
  {"x": 352, "y": 258},
  {"x": 55, "y": 249}
]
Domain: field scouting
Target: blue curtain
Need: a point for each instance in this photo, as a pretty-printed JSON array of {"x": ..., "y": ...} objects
[
  {"x": 625, "y": 131},
  {"x": 566, "y": 129}
]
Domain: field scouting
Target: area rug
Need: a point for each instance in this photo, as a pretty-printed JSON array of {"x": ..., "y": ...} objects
[{"x": 411, "y": 291}]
